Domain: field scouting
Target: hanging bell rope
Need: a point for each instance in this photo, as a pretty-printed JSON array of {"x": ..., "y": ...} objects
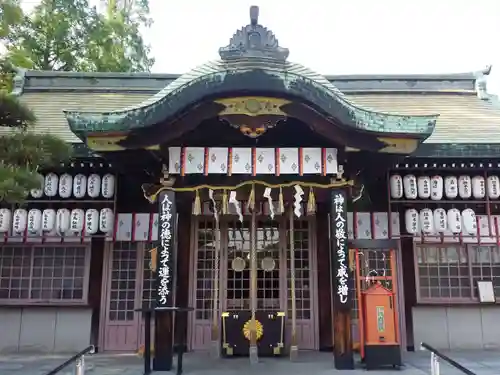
[
  {"x": 251, "y": 199},
  {"x": 311, "y": 203},
  {"x": 225, "y": 203},
  {"x": 281, "y": 203},
  {"x": 197, "y": 204}
]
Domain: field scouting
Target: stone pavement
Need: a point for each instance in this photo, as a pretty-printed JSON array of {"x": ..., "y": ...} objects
[{"x": 418, "y": 363}]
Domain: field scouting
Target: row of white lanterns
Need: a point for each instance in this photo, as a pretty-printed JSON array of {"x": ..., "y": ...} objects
[
  {"x": 441, "y": 221},
  {"x": 426, "y": 187},
  {"x": 61, "y": 221},
  {"x": 78, "y": 185}
]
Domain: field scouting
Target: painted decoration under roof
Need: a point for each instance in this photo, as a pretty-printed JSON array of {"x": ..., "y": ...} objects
[
  {"x": 62, "y": 220},
  {"x": 77, "y": 219},
  {"x": 424, "y": 187},
  {"x": 454, "y": 220},
  {"x": 48, "y": 219},
  {"x": 19, "y": 220},
  {"x": 426, "y": 221},
  {"x": 91, "y": 221},
  {"x": 5, "y": 219},
  {"x": 469, "y": 221},
  {"x": 478, "y": 187},
  {"x": 412, "y": 221},
  {"x": 79, "y": 185},
  {"x": 451, "y": 187},
  {"x": 464, "y": 187},
  {"x": 106, "y": 220},
  {"x": 436, "y": 188},
  {"x": 94, "y": 185},
  {"x": 65, "y": 185},
  {"x": 396, "y": 185},
  {"x": 410, "y": 186},
  {"x": 34, "y": 220},
  {"x": 108, "y": 186},
  {"x": 493, "y": 187},
  {"x": 38, "y": 193},
  {"x": 440, "y": 220},
  {"x": 51, "y": 185}
]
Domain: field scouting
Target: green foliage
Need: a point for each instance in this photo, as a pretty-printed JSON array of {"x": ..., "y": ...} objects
[{"x": 70, "y": 35}]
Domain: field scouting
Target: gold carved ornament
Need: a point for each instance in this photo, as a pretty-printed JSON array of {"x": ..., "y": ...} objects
[{"x": 259, "y": 329}]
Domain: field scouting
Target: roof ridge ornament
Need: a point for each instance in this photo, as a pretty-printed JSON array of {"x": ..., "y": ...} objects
[{"x": 254, "y": 40}]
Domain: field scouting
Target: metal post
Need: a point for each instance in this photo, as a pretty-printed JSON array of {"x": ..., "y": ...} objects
[
  {"x": 294, "y": 350},
  {"x": 435, "y": 364},
  {"x": 80, "y": 366}
]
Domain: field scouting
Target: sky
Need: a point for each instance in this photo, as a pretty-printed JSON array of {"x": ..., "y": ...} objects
[{"x": 337, "y": 36}]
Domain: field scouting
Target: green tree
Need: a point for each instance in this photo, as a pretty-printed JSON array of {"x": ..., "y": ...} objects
[
  {"x": 70, "y": 35},
  {"x": 22, "y": 152}
]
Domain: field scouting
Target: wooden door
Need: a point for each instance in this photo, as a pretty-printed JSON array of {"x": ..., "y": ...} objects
[{"x": 120, "y": 320}]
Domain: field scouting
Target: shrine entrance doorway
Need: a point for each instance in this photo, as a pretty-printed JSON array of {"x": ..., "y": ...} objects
[{"x": 274, "y": 275}]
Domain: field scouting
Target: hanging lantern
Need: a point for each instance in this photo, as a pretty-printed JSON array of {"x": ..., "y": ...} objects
[
  {"x": 396, "y": 186},
  {"x": 5, "y": 220},
  {"x": 38, "y": 193},
  {"x": 106, "y": 220},
  {"x": 424, "y": 187},
  {"x": 91, "y": 221},
  {"x": 410, "y": 186},
  {"x": 469, "y": 221},
  {"x": 464, "y": 187},
  {"x": 412, "y": 221},
  {"x": 19, "y": 220},
  {"x": 436, "y": 188},
  {"x": 34, "y": 220},
  {"x": 478, "y": 187},
  {"x": 440, "y": 220},
  {"x": 77, "y": 218},
  {"x": 108, "y": 186},
  {"x": 454, "y": 221},
  {"x": 62, "y": 221},
  {"x": 65, "y": 185},
  {"x": 51, "y": 185},
  {"x": 426, "y": 221},
  {"x": 79, "y": 185},
  {"x": 94, "y": 185},
  {"x": 451, "y": 187},
  {"x": 48, "y": 220},
  {"x": 493, "y": 187}
]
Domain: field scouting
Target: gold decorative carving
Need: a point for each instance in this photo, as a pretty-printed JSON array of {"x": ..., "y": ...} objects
[
  {"x": 252, "y": 106},
  {"x": 110, "y": 143},
  {"x": 398, "y": 145}
]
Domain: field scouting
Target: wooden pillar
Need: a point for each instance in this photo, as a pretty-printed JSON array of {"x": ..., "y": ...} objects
[
  {"x": 342, "y": 280},
  {"x": 165, "y": 281}
]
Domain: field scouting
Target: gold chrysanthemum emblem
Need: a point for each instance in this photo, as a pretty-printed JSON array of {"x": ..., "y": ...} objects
[{"x": 247, "y": 328}]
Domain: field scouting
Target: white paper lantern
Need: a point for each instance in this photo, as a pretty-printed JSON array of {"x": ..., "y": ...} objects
[
  {"x": 464, "y": 187},
  {"x": 38, "y": 193},
  {"x": 79, "y": 185},
  {"x": 478, "y": 187},
  {"x": 91, "y": 221},
  {"x": 436, "y": 188},
  {"x": 34, "y": 220},
  {"x": 469, "y": 221},
  {"x": 19, "y": 220},
  {"x": 412, "y": 221},
  {"x": 396, "y": 185},
  {"x": 440, "y": 220},
  {"x": 62, "y": 220},
  {"x": 451, "y": 187},
  {"x": 106, "y": 220},
  {"x": 94, "y": 185},
  {"x": 108, "y": 186},
  {"x": 5, "y": 219},
  {"x": 493, "y": 187},
  {"x": 65, "y": 185},
  {"x": 454, "y": 220},
  {"x": 51, "y": 185},
  {"x": 424, "y": 187},
  {"x": 426, "y": 221},
  {"x": 48, "y": 220},
  {"x": 410, "y": 186},
  {"x": 76, "y": 221}
]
